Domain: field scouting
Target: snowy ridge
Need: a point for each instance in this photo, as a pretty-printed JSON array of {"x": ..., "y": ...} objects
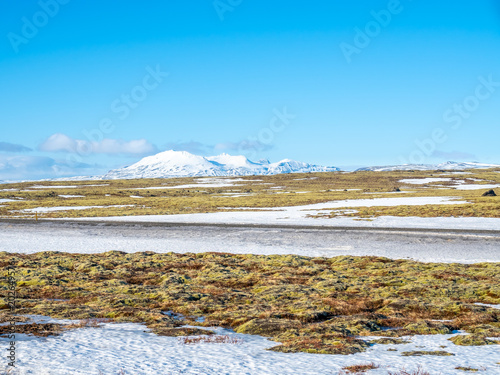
[
  {"x": 184, "y": 164},
  {"x": 448, "y": 166}
]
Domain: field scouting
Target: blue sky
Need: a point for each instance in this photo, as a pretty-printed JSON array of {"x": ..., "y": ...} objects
[{"x": 87, "y": 86}]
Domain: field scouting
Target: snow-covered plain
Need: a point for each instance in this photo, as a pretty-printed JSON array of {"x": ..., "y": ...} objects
[
  {"x": 5, "y": 200},
  {"x": 457, "y": 184},
  {"x": 69, "y": 208},
  {"x": 299, "y": 215},
  {"x": 135, "y": 350},
  {"x": 63, "y": 186},
  {"x": 475, "y": 186},
  {"x": 421, "y": 181}
]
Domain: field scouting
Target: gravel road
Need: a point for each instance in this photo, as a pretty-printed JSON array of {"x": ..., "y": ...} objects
[{"x": 437, "y": 246}]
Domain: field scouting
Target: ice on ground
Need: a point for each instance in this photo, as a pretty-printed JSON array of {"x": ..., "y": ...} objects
[
  {"x": 71, "y": 196},
  {"x": 208, "y": 182},
  {"x": 68, "y": 208},
  {"x": 7, "y": 200},
  {"x": 235, "y": 195},
  {"x": 294, "y": 215},
  {"x": 53, "y": 187},
  {"x": 136, "y": 196},
  {"x": 488, "y": 305},
  {"x": 475, "y": 187},
  {"x": 63, "y": 186},
  {"x": 187, "y": 186},
  {"x": 131, "y": 347},
  {"x": 420, "y": 181},
  {"x": 457, "y": 184}
]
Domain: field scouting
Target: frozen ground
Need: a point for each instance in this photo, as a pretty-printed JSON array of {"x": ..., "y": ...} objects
[
  {"x": 421, "y": 181},
  {"x": 457, "y": 184},
  {"x": 132, "y": 348},
  {"x": 62, "y": 186},
  {"x": 69, "y": 208},
  {"x": 475, "y": 187},
  {"x": 94, "y": 237},
  {"x": 299, "y": 215}
]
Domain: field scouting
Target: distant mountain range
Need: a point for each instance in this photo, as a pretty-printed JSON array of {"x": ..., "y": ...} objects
[
  {"x": 184, "y": 164},
  {"x": 450, "y": 165},
  {"x": 168, "y": 164}
]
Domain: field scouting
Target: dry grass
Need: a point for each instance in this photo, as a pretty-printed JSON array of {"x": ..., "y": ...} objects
[
  {"x": 319, "y": 187},
  {"x": 358, "y": 369},
  {"x": 215, "y": 339}
]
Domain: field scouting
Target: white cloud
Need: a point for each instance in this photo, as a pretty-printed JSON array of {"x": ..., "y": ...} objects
[
  {"x": 37, "y": 167},
  {"x": 62, "y": 143}
]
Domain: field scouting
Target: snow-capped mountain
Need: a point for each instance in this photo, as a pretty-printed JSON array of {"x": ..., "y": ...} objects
[
  {"x": 448, "y": 166},
  {"x": 184, "y": 164}
]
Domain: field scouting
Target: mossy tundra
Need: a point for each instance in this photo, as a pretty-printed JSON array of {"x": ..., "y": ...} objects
[
  {"x": 166, "y": 197},
  {"x": 315, "y": 305}
]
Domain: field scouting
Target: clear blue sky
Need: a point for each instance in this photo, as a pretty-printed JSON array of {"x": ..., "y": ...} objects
[{"x": 421, "y": 83}]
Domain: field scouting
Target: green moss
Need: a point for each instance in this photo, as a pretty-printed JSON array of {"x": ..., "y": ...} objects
[
  {"x": 472, "y": 340},
  {"x": 317, "y": 305},
  {"x": 424, "y": 327}
]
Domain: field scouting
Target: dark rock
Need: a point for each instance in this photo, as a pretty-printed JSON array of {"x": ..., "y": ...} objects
[{"x": 489, "y": 193}]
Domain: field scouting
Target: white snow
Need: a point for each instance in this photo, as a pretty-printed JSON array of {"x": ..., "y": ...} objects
[
  {"x": 5, "y": 200},
  {"x": 297, "y": 215},
  {"x": 235, "y": 195},
  {"x": 488, "y": 305},
  {"x": 67, "y": 208},
  {"x": 421, "y": 181},
  {"x": 71, "y": 196},
  {"x": 134, "y": 349},
  {"x": 63, "y": 186},
  {"x": 53, "y": 187},
  {"x": 450, "y": 165},
  {"x": 183, "y": 164},
  {"x": 188, "y": 186},
  {"x": 136, "y": 196},
  {"x": 457, "y": 184},
  {"x": 475, "y": 187}
]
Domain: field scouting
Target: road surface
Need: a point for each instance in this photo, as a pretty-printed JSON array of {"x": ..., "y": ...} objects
[{"x": 94, "y": 237}]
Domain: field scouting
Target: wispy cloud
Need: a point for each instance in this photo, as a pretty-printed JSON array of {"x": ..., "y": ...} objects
[
  {"x": 62, "y": 143},
  {"x": 38, "y": 167},
  {"x": 13, "y": 147}
]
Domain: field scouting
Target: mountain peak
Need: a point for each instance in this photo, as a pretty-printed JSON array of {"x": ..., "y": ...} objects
[
  {"x": 184, "y": 164},
  {"x": 449, "y": 165}
]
